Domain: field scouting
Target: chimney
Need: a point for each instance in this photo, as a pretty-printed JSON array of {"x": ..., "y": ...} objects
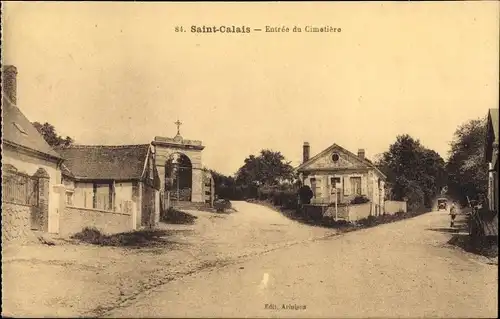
[
  {"x": 361, "y": 154},
  {"x": 9, "y": 82},
  {"x": 305, "y": 152}
]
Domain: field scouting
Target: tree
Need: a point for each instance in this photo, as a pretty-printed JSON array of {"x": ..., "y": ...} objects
[
  {"x": 50, "y": 135},
  {"x": 269, "y": 168},
  {"x": 305, "y": 194},
  {"x": 413, "y": 171},
  {"x": 467, "y": 168},
  {"x": 225, "y": 186}
]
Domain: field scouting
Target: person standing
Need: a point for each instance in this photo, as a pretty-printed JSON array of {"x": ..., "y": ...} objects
[{"x": 453, "y": 214}]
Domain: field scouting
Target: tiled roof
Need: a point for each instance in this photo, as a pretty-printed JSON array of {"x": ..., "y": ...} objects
[
  {"x": 17, "y": 129},
  {"x": 94, "y": 162}
]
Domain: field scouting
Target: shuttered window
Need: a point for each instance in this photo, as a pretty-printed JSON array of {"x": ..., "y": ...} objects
[
  {"x": 347, "y": 186},
  {"x": 355, "y": 185}
]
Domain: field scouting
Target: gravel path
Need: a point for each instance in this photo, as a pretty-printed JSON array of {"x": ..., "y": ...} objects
[
  {"x": 403, "y": 269},
  {"x": 73, "y": 280}
]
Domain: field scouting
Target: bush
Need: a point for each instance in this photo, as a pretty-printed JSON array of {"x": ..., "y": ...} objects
[
  {"x": 89, "y": 235},
  {"x": 305, "y": 194},
  {"x": 289, "y": 200},
  {"x": 174, "y": 216},
  {"x": 221, "y": 205},
  {"x": 359, "y": 200},
  {"x": 399, "y": 213},
  {"x": 416, "y": 199},
  {"x": 138, "y": 238},
  {"x": 331, "y": 222}
]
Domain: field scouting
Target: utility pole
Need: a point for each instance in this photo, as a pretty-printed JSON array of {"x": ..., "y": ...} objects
[{"x": 336, "y": 207}]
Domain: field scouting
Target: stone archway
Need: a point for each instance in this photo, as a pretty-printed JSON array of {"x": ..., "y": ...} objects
[
  {"x": 190, "y": 152},
  {"x": 179, "y": 177}
]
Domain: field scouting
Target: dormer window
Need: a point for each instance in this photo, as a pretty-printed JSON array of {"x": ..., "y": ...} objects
[{"x": 20, "y": 128}]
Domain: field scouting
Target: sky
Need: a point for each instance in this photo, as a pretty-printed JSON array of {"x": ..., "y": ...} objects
[{"x": 118, "y": 73}]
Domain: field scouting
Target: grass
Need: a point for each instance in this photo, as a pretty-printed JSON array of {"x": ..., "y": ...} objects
[
  {"x": 140, "y": 238},
  {"x": 487, "y": 247},
  {"x": 371, "y": 221},
  {"x": 342, "y": 225}
]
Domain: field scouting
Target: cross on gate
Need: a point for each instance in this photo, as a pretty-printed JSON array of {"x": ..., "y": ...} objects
[{"x": 178, "y": 123}]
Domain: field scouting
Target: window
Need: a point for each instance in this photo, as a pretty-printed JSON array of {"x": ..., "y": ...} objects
[
  {"x": 356, "y": 185},
  {"x": 69, "y": 198},
  {"x": 335, "y": 157},
  {"x": 103, "y": 196},
  {"x": 335, "y": 181}
]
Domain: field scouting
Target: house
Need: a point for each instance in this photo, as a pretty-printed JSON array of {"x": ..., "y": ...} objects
[
  {"x": 485, "y": 221},
  {"x": 112, "y": 188},
  {"x": 336, "y": 175},
  {"x": 31, "y": 169},
  {"x": 492, "y": 158}
]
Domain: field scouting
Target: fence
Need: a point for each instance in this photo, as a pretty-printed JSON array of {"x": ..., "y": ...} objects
[
  {"x": 22, "y": 208},
  {"x": 19, "y": 188}
]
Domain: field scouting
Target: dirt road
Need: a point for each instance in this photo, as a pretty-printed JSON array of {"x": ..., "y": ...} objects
[
  {"x": 403, "y": 269},
  {"x": 70, "y": 280}
]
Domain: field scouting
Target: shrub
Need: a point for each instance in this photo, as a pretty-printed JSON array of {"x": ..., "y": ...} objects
[
  {"x": 89, "y": 235},
  {"x": 137, "y": 238},
  {"x": 289, "y": 200},
  {"x": 222, "y": 204},
  {"x": 416, "y": 199},
  {"x": 305, "y": 194},
  {"x": 359, "y": 200},
  {"x": 400, "y": 213},
  {"x": 368, "y": 221},
  {"x": 331, "y": 222},
  {"x": 174, "y": 216}
]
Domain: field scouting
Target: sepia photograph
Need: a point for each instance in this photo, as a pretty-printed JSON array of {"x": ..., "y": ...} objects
[{"x": 250, "y": 159}]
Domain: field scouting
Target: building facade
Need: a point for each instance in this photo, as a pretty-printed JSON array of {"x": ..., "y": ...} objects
[
  {"x": 492, "y": 158},
  {"x": 31, "y": 170},
  {"x": 118, "y": 184},
  {"x": 336, "y": 175}
]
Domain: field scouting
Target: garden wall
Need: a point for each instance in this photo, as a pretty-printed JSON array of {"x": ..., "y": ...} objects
[
  {"x": 392, "y": 206},
  {"x": 74, "y": 219},
  {"x": 16, "y": 224},
  {"x": 342, "y": 212},
  {"x": 357, "y": 212}
]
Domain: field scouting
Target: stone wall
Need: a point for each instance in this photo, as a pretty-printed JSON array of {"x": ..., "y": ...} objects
[
  {"x": 74, "y": 219},
  {"x": 342, "y": 212},
  {"x": 16, "y": 225},
  {"x": 29, "y": 165},
  {"x": 357, "y": 212},
  {"x": 392, "y": 206}
]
